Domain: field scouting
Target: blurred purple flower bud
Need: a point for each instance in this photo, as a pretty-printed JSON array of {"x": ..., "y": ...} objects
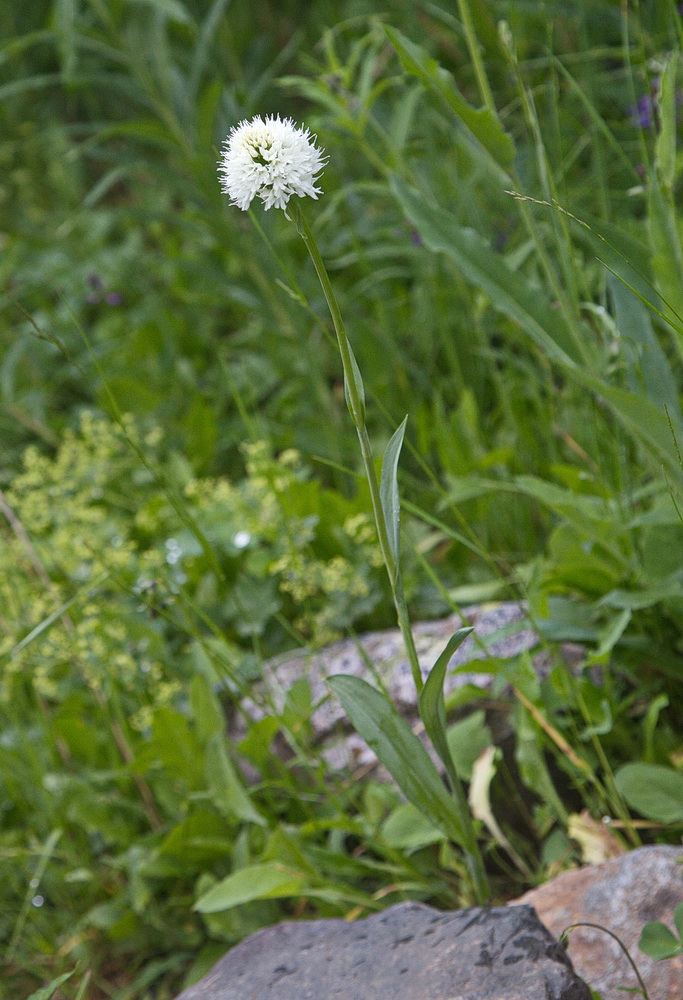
[
  {"x": 642, "y": 113},
  {"x": 95, "y": 281},
  {"x": 113, "y": 299}
]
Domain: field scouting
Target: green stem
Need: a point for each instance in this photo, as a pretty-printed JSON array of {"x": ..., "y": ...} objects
[
  {"x": 475, "y": 55},
  {"x": 356, "y": 404}
]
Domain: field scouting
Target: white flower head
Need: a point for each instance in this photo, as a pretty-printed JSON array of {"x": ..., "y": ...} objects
[{"x": 272, "y": 159}]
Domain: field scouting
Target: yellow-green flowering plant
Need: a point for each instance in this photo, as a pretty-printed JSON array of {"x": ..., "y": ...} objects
[{"x": 275, "y": 160}]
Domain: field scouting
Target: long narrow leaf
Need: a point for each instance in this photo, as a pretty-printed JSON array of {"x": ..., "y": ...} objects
[
  {"x": 432, "y": 705},
  {"x": 508, "y": 291},
  {"x": 512, "y": 295}
]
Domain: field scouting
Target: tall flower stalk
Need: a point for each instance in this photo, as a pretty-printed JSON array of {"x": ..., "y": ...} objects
[
  {"x": 355, "y": 400},
  {"x": 273, "y": 160}
]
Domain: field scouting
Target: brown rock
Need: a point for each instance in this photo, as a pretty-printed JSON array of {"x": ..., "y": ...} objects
[{"x": 621, "y": 894}]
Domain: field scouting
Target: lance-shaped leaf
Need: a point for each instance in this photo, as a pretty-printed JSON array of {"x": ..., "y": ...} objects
[
  {"x": 433, "y": 707},
  {"x": 388, "y": 493},
  {"x": 259, "y": 881}
]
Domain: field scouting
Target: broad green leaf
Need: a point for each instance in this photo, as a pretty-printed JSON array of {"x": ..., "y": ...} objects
[
  {"x": 174, "y": 746},
  {"x": 408, "y": 829},
  {"x": 657, "y": 941},
  {"x": 226, "y": 790},
  {"x": 432, "y": 706},
  {"x": 480, "y": 122},
  {"x": 589, "y": 514},
  {"x": 388, "y": 492},
  {"x": 261, "y": 881},
  {"x": 636, "y": 600},
  {"x": 374, "y": 717},
  {"x": 653, "y": 790},
  {"x": 678, "y": 920},
  {"x": 610, "y": 636},
  {"x": 201, "y": 839}
]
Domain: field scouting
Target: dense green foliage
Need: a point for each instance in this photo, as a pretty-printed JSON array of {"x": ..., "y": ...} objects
[{"x": 180, "y": 495}]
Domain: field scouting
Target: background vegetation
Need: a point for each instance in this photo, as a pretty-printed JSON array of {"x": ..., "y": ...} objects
[{"x": 179, "y": 491}]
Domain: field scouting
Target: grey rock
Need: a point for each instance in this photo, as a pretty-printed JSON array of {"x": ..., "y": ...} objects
[
  {"x": 501, "y": 630},
  {"x": 408, "y": 952}
]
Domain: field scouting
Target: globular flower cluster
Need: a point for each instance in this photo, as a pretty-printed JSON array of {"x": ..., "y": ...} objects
[{"x": 270, "y": 159}]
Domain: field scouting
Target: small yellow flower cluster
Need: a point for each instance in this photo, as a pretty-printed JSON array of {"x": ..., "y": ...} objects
[
  {"x": 362, "y": 531},
  {"x": 69, "y": 529},
  {"x": 274, "y": 514},
  {"x": 88, "y": 534}
]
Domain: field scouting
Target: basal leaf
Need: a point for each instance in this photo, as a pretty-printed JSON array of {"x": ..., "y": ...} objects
[
  {"x": 374, "y": 717},
  {"x": 264, "y": 881},
  {"x": 653, "y": 790}
]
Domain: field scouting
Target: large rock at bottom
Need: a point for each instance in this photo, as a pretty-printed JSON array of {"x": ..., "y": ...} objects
[
  {"x": 408, "y": 952},
  {"x": 622, "y": 895}
]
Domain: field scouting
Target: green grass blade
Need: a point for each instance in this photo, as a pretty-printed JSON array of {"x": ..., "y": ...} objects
[{"x": 507, "y": 290}]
